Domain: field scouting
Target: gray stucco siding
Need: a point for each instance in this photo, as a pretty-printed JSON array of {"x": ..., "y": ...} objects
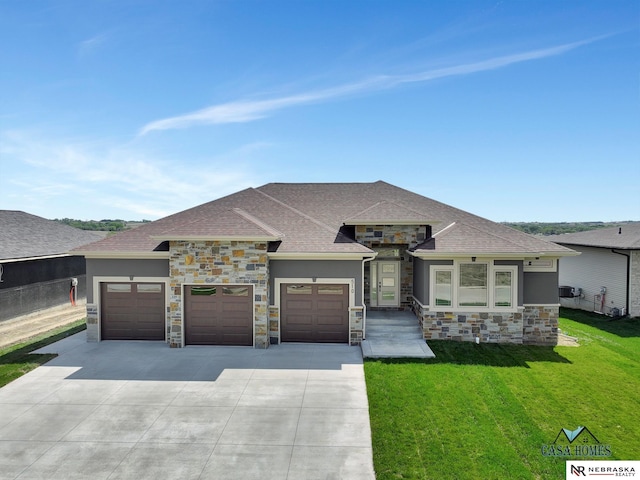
[
  {"x": 540, "y": 288},
  {"x": 318, "y": 269},
  {"x": 421, "y": 277},
  {"x": 124, "y": 268}
]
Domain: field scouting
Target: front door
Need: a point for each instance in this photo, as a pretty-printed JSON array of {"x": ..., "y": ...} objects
[{"x": 385, "y": 283}]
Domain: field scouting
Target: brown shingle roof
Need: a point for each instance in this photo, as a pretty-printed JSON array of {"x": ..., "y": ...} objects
[{"x": 308, "y": 217}]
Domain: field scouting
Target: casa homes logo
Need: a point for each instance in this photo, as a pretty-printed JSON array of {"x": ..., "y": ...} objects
[
  {"x": 601, "y": 468},
  {"x": 576, "y": 443}
]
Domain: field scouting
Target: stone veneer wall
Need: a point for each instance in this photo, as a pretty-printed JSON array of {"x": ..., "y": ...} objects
[
  {"x": 370, "y": 235},
  {"x": 93, "y": 330},
  {"x": 634, "y": 286},
  {"x": 218, "y": 262},
  {"x": 537, "y": 325},
  {"x": 540, "y": 324},
  {"x": 401, "y": 236},
  {"x": 356, "y": 325}
]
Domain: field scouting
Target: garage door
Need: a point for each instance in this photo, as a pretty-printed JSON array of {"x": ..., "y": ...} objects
[
  {"x": 219, "y": 315},
  {"x": 132, "y": 311},
  {"x": 314, "y": 313}
]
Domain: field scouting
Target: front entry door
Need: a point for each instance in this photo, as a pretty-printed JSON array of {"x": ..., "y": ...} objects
[{"x": 385, "y": 284}]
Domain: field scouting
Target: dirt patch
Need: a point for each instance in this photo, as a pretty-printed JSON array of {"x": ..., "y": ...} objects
[{"x": 567, "y": 341}]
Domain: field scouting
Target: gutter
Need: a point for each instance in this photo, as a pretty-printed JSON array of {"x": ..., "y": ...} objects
[
  {"x": 626, "y": 301},
  {"x": 364, "y": 306}
]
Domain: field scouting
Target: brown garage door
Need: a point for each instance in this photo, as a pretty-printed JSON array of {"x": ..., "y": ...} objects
[
  {"x": 219, "y": 315},
  {"x": 132, "y": 311},
  {"x": 314, "y": 313}
]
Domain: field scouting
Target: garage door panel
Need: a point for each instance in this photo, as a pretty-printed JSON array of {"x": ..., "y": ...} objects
[
  {"x": 329, "y": 320},
  {"x": 293, "y": 320},
  {"x": 298, "y": 304},
  {"x": 235, "y": 308},
  {"x": 314, "y": 313},
  {"x": 219, "y": 315},
  {"x": 335, "y": 305},
  {"x": 131, "y": 311}
]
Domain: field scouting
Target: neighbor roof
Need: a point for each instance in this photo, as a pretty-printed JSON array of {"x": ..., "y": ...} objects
[
  {"x": 23, "y": 235},
  {"x": 624, "y": 237},
  {"x": 311, "y": 218}
]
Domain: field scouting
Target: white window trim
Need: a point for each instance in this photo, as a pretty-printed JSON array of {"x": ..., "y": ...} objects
[
  {"x": 97, "y": 301},
  {"x": 350, "y": 282},
  {"x": 455, "y": 275}
]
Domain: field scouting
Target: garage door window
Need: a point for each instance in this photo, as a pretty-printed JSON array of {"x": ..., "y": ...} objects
[
  {"x": 299, "y": 289},
  {"x": 119, "y": 288},
  {"x": 203, "y": 291},
  {"x": 330, "y": 290},
  {"x": 149, "y": 288},
  {"x": 236, "y": 291}
]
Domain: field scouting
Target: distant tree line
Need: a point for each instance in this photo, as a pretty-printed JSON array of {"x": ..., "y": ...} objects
[
  {"x": 544, "y": 228},
  {"x": 101, "y": 225}
]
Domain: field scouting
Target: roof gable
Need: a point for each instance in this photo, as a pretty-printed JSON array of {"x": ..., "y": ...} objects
[{"x": 386, "y": 212}]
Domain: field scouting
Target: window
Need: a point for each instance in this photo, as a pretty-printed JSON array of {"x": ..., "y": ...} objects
[
  {"x": 330, "y": 290},
  {"x": 204, "y": 291},
  {"x": 473, "y": 286},
  {"x": 119, "y": 287},
  {"x": 443, "y": 288},
  {"x": 149, "y": 288},
  {"x": 299, "y": 289},
  {"x": 235, "y": 291},
  {"x": 472, "y": 290},
  {"x": 503, "y": 293}
]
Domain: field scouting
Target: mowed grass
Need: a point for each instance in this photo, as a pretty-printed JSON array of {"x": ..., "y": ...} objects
[
  {"x": 17, "y": 360},
  {"x": 485, "y": 411}
]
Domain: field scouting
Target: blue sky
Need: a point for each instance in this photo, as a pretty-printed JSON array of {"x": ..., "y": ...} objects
[{"x": 512, "y": 110}]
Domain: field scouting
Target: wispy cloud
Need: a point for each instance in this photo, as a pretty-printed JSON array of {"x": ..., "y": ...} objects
[
  {"x": 89, "y": 45},
  {"x": 114, "y": 178},
  {"x": 249, "y": 110}
]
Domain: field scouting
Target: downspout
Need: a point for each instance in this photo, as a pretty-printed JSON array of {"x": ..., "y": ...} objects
[
  {"x": 626, "y": 301},
  {"x": 364, "y": 306}
]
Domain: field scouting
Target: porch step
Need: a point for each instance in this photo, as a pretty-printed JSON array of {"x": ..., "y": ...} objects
[
  {"x": 389, "y": 349},
  {"x": 394, "y": 334}
]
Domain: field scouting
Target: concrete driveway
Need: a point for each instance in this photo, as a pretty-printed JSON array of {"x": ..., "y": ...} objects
[{"x": 118, "y": 410}]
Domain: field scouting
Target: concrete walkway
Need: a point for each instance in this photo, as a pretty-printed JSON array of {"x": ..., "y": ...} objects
[
  {"x": 141, "y": 410},
  {"x": 394, "y": 334}
]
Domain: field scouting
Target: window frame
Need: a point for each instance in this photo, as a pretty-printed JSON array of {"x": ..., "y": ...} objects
[{"x": 492, "y": 270}]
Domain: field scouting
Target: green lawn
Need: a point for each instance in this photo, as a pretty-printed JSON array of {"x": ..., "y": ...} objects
[
  {"x": 17, "y": 360},
  {"x": 485, "y": 411}
]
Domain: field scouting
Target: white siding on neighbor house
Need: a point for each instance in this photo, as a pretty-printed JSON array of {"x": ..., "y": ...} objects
[
  {"x": 594, "y": 268},
  {"x": 634, "y": 292}
]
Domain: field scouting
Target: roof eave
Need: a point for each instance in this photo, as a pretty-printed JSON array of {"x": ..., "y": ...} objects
[
  {"x": 320, "y": 256},
  {"x": 390, "y": 222},
  {"x": 510, "y": 255},
  {"x": 43, "y": 257},
  {"x": 220, "y": 238},
  {"x": 124, "y": 255},
  {"x": 577, "y": 244}
]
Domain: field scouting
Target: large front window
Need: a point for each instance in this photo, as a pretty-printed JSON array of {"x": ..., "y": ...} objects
[{"x": 473, "y": 286}]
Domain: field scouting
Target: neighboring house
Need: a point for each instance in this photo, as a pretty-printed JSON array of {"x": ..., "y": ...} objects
[
  {"x": 303, "y": 263},
  {"x": 35, "y": 266},
  {"x": 605, "y": 278}
]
